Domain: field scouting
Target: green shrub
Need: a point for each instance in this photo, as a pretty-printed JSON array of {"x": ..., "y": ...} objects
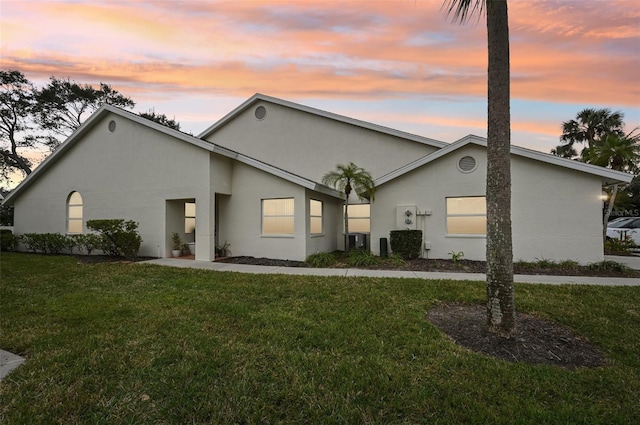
[
  {"x": 544, "y": 263},
  {"x": 34, "y": 242},
  {"x": 406, "y": 243},
  {"x": 610, "y": 265},
  {"x": 569, "y": 265},
  {"x": 618, "y": 246},
  {"x": 8, "y": 240},
  {"x": 362, "y": 258},
  {"x": 119, "y": 237},
  {"x": 321, "y": 259},
  {"x": 48, "y": 243},
  {"x": 396, "y": 260},
  {"x": 87, "y": 242},
  {"x": 456, "y": 256},
  {"x": 55, "y": 243}
]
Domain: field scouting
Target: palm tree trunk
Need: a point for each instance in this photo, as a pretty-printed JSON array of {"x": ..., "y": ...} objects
[
  {"x": 500, "y": 292},
  {"x": 346, "y": 224}
]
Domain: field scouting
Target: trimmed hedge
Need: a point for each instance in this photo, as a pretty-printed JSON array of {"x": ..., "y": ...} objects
[
  {"x": 406, "y": 243},
  {"x": 8, "y": 241},
  {"x": 115, "y": 237},
  {"x": 119, "y": 237},
  {"x": 49, "y": 243}
]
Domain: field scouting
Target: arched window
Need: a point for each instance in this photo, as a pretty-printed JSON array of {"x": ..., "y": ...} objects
[{"x": 74, "y": 213}]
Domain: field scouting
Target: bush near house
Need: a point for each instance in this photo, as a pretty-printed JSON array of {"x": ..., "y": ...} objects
[
  {"x": 8, "y": 240},
  {"x": 87, "y": 242},
  {"x": 119, "y": 237},
  {"x": 48, "y": 243},
  {"x": 406, "y": 243}
]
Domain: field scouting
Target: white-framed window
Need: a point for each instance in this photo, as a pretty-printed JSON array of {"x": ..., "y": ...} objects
[
  {"x": 74, "y": 213},
  {"x": 278, "y": 216},
  {"x": 189, "y": 217},
  {"x": 315, "y": 217},
  {"x": 359, "y": 218},
  {"x": 467, "y": 215}
]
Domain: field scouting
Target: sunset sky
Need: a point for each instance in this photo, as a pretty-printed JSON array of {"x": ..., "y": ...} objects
[{"x": 402, "y": 64}]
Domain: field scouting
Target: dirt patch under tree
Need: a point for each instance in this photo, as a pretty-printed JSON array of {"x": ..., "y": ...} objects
[{"x": 536, "y": 341}]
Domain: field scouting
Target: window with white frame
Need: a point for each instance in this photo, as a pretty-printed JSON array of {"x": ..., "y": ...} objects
[
  {"x": 189, "y": 217},
  {"x": 467, "y": 215},
  {"x": 74, "y": 213},
  {"x": 277, "y": 216},
  {"x": 359, "y": 218},
  {"x": 315, "y": 217}
]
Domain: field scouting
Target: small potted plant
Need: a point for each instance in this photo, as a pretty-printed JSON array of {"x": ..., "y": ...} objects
[
  {"x": 223, "y": 250},
  {"x": 176, "y": 245}
]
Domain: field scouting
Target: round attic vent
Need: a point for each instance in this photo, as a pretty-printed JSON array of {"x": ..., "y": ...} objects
[
  {"x": 467, "y": 164},
  {"x": 112, "y": 126},
  {"x": 260, "y": 112}
]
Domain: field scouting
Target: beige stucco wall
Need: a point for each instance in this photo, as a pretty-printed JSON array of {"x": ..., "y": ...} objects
[
  {"x": 127, "y": 174},
  {"x": 310, "y": 146},
  {"x": 555, "y": 211}
]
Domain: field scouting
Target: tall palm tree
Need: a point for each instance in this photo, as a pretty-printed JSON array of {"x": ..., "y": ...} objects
[
  {"x": 501, "y": 314},
  {"x": 589, "y": 127},
  {"x": 347, "y": 178},
  {"x": 621, "y": 153}
]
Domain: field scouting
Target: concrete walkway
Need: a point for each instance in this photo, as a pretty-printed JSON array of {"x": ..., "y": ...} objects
[
  {"x": 246, "y": 268},
  {"x": 8, "y": 362}
]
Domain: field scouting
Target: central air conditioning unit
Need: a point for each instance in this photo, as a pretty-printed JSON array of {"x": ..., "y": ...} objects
[
  {"x": 406, "y": 217},
  {"x": 358, "y": 241}
]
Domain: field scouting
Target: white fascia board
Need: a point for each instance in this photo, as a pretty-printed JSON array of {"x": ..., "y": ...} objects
[
  {"x": 89, "y": 124},
  {"x": 608, "y": 176},
  {"x": 321, "y": 113}
]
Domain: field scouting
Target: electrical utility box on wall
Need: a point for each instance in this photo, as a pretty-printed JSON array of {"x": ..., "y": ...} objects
[{"x": 406, "y": 217}]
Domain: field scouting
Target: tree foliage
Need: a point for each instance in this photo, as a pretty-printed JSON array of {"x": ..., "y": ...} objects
[
  {"x": 588, "y": 128},
  {"x": 37, "y": 119},
  {"x": 605, "y": 143},
  {"x": 161, "y": 119},
  {"x": 63, "y": 105},
  {"x": 16, "y": 106},
  {"x": 348, "y": 178}
]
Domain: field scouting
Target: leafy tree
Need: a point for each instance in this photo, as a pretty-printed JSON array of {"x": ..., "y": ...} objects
[
  {"x": 618, "y": 153},
  {"x": 161, "y": 119},
  {"x": 16, "y": 105},
  {"x": 501, "y": 315},
  {"x": 589, "y": 127},
  {"x": 607, "y": 145},
  {"x": 63, "y": 105},
  {"x": 347, "y": 178}
]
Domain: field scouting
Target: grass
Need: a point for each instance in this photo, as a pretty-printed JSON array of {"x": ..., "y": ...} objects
[{"x": 130, "y": 343}]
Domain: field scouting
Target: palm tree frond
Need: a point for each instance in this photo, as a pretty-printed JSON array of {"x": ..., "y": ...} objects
[{"x": 462, "y": 10}]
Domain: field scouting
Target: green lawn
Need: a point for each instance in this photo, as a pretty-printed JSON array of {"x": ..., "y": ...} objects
[{"x": 131, "y": 343}]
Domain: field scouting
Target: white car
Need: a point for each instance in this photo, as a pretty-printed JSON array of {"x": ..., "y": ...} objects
[{"x": 625, "y": 228}]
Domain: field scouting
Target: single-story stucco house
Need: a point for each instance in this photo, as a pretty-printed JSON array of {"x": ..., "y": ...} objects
[{"x": 252, "y": 180}]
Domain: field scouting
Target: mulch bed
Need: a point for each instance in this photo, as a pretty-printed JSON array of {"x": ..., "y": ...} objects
[
  {"x": 536, "y": 341},
  {"x": 461, "y": 266}
]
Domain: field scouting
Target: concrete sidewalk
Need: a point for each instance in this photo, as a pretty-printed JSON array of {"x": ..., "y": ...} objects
[
  {"x": 8, "y": 362},
  {"x": 246, "y": 268}
]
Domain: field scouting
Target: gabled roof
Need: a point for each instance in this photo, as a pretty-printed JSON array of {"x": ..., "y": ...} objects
[
  {"x": 104, "y": 110},
  {"x": 330, "y": 115},
  {"x": 607, "y": 175}
]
